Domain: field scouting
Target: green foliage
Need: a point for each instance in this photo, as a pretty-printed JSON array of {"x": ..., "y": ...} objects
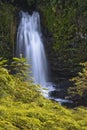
[
  {"x": 6, "y": 83},
  {"x": 67, "y": 24},
  {"x": 63, "y": 22},
  {"x": 25, "y": 92},
  {"x": 20, "y": 68},
  {"x": 23, "y": 108},
  {"x": 79, "y": 91},
  {"x": 7, "y": 30},
  {"x": 3, "y": 62}
]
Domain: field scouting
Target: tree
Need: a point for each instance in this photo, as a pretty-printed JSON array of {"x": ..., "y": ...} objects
[
  {"x": 78, "y": 92},
  {"x": 20, "y": 68}
]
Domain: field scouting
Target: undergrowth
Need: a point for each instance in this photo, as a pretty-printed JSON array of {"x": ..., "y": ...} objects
[{"x": 22, "y": 107}]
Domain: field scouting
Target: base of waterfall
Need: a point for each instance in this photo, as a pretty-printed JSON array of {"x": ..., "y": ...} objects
[
  {"x": 30, "y": 45},
  {"x": 48, "y": 88}
]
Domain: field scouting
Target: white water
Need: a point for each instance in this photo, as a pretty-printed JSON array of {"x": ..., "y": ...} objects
[{"x": 30, "y": 45}]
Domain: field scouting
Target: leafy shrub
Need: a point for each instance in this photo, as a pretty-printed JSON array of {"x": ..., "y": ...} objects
[
  {"x": 23, "y": 107},
  {"x": 6, "y": 83}
]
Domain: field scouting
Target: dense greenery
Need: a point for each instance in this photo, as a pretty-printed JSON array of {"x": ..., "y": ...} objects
[
  {"x": 78, "y": 92},
  {"x": 67, "y": 27},
  {"x": 66, "y": 24},
  {"x": 22, "y": 106},
  {"x": 20, "y": 68},
  {"x": 7, "y": 30}
]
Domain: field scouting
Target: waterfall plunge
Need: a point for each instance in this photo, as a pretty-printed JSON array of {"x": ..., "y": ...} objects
[{"x": 30, "y": 45}]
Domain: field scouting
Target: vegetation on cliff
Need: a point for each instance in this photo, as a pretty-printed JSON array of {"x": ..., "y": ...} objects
[
  {"x": 22, "y": 107},
  {"x": 7, "y": 30},
  {"x": 66, "y": 34}
]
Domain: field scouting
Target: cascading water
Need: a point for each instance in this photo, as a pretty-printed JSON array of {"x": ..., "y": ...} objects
[{"x": 30, "y": 45}]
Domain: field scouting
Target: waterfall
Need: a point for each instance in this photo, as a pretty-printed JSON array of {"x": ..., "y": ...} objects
[{"x": 30, "y": 45}]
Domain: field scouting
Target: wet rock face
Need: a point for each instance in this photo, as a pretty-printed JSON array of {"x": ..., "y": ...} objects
[
  {"x": 26, "y": 5},
  {"x": 60, "y": 94},
  {"x": 61, "y": 89},
  {"x": 21, "y": 4}
]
